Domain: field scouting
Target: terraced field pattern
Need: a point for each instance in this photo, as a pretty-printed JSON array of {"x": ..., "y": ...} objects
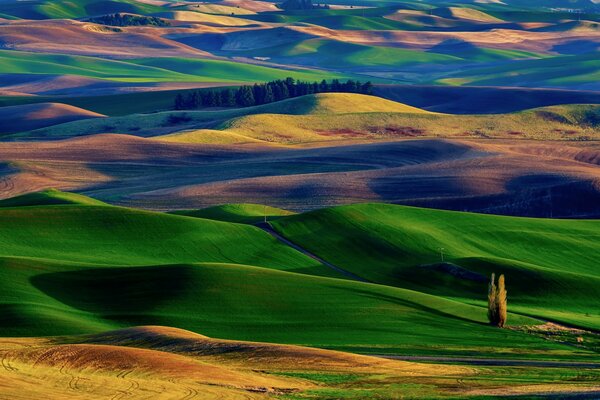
[{"x": 248, "y": 199}]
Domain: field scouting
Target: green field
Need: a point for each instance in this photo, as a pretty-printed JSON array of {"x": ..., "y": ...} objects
[
  {"x": 550, "y": 264},
  {"x": 43, "y": 9},
  {"x": 339, "y": 55},
  {"x": 545, "y": 72},
  {"x": 148, "y": 70},
  {"x": 240, "y": 213},
  {"x": 78, "y": 267}
]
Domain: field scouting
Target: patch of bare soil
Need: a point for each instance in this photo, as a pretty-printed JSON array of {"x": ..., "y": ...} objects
[{"x": 572, "y": 336}]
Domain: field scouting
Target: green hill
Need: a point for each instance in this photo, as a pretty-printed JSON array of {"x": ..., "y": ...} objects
[
  {"x": 107, "y": 235},
  {"x": 240, "y": 213},
  {"x": 340, "y": 55},
  {"x": 45, "y": 9},
  {"x": 148, "y": 70},
  {"x": 550, "y": 265},
  {"x": 243, "y": 302},
  {"x": 49, "y": 197},
  {"x": 546, "y": 72},
  {"x": 83, "y": 268}
]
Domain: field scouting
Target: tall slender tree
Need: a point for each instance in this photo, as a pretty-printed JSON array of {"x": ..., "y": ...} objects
[
  {"x": 501, "y": 302},
  {"x": 492, "y": 308}
]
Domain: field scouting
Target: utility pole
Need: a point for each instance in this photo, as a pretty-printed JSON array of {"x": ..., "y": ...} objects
[{"x": 442, "y": 253}]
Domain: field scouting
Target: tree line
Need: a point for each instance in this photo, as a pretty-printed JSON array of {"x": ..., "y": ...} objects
[
  {"x": 264, "y": 93},
  {"x": 120, "y": 19}
]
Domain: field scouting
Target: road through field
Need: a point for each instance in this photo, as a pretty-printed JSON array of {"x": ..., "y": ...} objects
[{"x": 266, "y": 226}]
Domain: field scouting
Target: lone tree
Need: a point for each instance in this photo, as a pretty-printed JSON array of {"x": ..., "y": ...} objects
[
  {"x": 501, "y": 301},
  {"x": 492, "y": 309},
  {"x": 497, "y": 309}
]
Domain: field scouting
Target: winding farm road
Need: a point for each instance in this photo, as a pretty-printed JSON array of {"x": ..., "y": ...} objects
[{"x": 266, "y": 226}]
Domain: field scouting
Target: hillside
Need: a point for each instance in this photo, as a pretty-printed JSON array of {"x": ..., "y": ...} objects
[
  {"x": 49, "y": 197},
  {"x": 549, "y": 264},
  {"x": 240, "y": 213},
  {"x": 35, "y": 116},
  {"x": 257, "y": 200},
  {"x": 350, "y": 116},
  {"x": 89, "y": 233},
  {"x": 235, "y": 281}
]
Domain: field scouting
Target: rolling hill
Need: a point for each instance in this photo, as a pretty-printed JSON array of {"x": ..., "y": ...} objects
[
  {"x": 40, "y": 115},
  {"x": 350, "y": 117},
  {"x": 240, "y": 213},
  {"x": 548, "y": 72},
  {"x": 550, "y": 263},
  {"x": 116, "y": 267},
  {"x": 43, "y": 9},
  {"x": 159, "y": 241},
  {"x": 147, "y": 70}
]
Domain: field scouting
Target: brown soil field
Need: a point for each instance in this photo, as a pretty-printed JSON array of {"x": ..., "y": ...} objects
[
  {"x": 34, "y": 116},
  {"x": 518, "y": 177}
]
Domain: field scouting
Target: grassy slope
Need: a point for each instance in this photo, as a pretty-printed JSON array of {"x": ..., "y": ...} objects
[
  {"x": 73, "y": 9},
  {"x": 325, "y": 103},
  {"x": 49, "y": 197},
  {"x": 217, "y": 71},
  {"x": 242, "y": 302},
  {"x": 336, "y": 54},
  {"x": 550, "y": 265},
  {"x": 115, "y": 267},
  {"x": 543, "y": 72},
  {"x": 560, "y": 122},
  {"x": 147, "y": 70},
  {"x": 301, "y": 120},
  {"x": 107, "y": 235},
  {"x": 240, "y": 213}
]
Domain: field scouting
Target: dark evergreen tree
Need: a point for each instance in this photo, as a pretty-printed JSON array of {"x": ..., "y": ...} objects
[
  {"x": 335, "y": 86},
  {"x": 265, "y": 93},
  {"x": 323, "y": 86},
  {"x": 245, "y": 97},
  {"x": 367, "y": 88},
  {"x": 268, "y": 96},
  {"x": 228, "y": 98}
]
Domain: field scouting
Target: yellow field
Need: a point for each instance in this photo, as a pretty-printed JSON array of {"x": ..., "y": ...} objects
[{"x": 169, "y": 363}]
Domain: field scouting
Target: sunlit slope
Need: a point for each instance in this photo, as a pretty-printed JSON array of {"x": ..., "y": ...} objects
[
  {"x": 107, "y": 235},
  {"x": 247, "y": 303},
  {"x": 164, "y": 69},
  {"x": 305, "y": 106},
  {"x": 240, "y": 213},
  {"x": 170, "y": 362},
  {"x": 49, "y": 197},
  {"x": 68, "y": 269},
  {"x": 404, "y": 121},
  {"x": 550, "y": 265},
  {"x": 209, "y": 18}
]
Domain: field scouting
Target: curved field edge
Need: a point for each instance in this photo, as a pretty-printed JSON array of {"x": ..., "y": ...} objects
[
  {"x": 251, "y": 303},
  {"x": 168, "y": 361},
  {"x": 549, "y": 264},
  {"x": 117, "y": 267},
  {"x": 323, "y": 118}
]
